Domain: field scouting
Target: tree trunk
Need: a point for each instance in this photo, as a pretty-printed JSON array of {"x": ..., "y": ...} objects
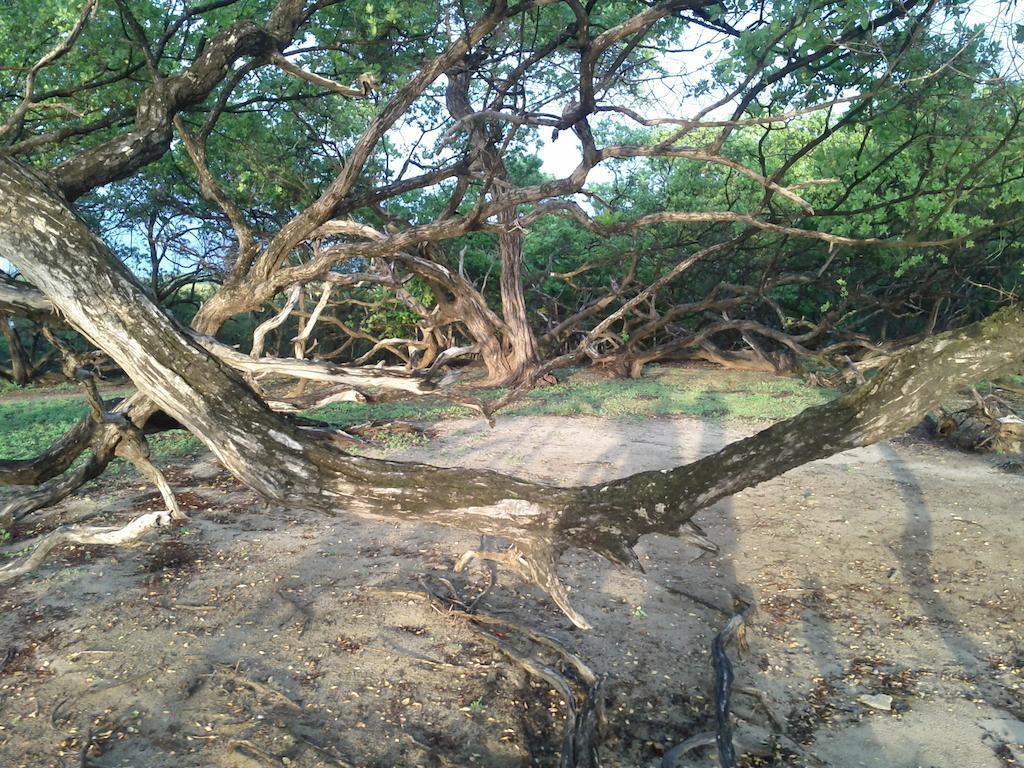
[
  {"x": 520, "y": 344},
  {"x": 511, "y": 357},
  {"x": 99, "y": 297},
  {"x": 21, "y": 366}
]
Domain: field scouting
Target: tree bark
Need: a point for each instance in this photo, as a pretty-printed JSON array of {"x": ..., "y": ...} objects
[
  {"x": 99, "y": 297},
  {"x": 520, "y": 353},
  {"x": 511, "y": 355},
  {"x": 21, "y": 366}
]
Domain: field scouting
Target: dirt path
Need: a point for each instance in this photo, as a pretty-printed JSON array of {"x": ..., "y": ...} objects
[{"x": 253, "y": 637}]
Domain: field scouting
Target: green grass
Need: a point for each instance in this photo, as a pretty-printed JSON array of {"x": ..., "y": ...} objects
[
  {"x": 174, "y": 445},
  {"x": 28, "y": 427},
  {"x": 676, "y": 392},
  {"x": 661, "y": 392},
  {"x": 416, "y": 409},
  {"x": 35, "y": 386}
]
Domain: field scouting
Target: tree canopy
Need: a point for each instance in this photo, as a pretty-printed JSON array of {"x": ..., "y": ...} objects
[{"x": 846, "y": 166}]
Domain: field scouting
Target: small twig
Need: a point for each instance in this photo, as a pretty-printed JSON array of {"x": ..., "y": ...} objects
[
  {"x": 253, "y": 752},
  {"x": 301, "y": 607},
  {"x": 325, "y": 752},
  {"x": 762, "y": 698},
  {"x": 705, "y": 739},
  {"x": 83, "y": 754},
  {"x": 256, "y": 687},
  {"x": 969, "y": 522}
]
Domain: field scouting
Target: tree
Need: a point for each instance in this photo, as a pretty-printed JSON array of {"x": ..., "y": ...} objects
[{"x": 353, "y": 230}]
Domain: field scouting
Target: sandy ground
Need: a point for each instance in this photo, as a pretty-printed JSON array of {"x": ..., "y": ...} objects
[{"x": 261, "y": 636}]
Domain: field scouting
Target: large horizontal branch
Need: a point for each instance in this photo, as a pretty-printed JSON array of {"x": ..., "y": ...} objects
[
  {"x": 389, "y": 378},
  {"x": 23, "y": 300},
  {"x": 100, "y": 298}
]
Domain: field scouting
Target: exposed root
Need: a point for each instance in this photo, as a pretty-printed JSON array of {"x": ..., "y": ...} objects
[
  {"x": 578, "y": 685},
  {"x": 111, "y": 535},
  {"x": 123, "y": 439},
  {"x": 83, "y": 753},
  {"x": 670, "y": 758},
  {"x": 694, "y": 534},
  {"x": 755, "y": 738},
  {"x": 536, "y": 564},
  {"x": 116, "y": 436},
  {"x": 734, "y": 629},
  {"x": 261, "y": 690},
  {"x": 762, "y": 698},
  {"x": 254, "y": 753}
]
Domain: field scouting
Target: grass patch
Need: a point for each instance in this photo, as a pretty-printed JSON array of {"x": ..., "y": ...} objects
[
  {"x": 672, "y": 391},
  {"x": 175, "y": 445},
  {"x": 665, "y": 391},
  {"x": 414, "y": 409},
  {"x": 28, "y": 427}
]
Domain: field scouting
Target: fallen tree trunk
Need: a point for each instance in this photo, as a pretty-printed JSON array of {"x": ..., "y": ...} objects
[
  {"x": 100, "y": 298},
  {"x": 389, "y": 378},
  {"x": 988, "y": 424}
]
